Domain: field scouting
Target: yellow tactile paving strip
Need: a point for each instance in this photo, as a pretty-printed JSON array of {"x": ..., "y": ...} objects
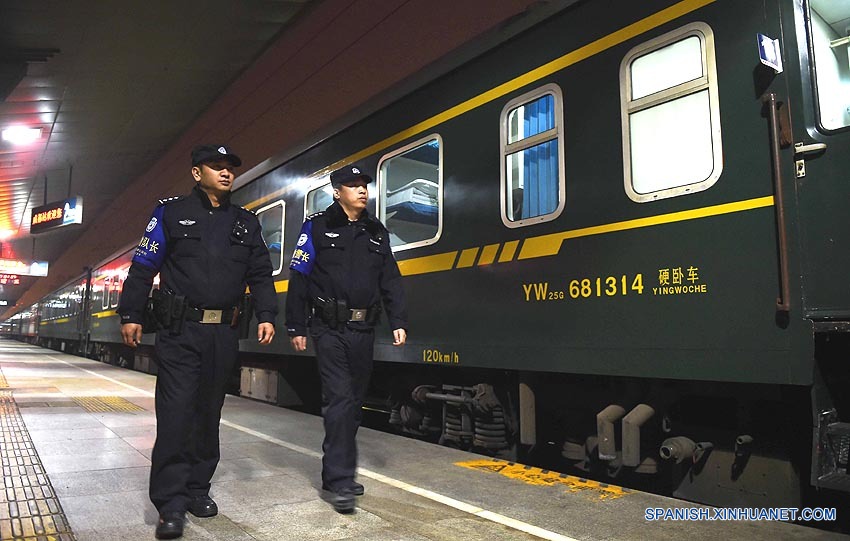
[
  {"x": 29, "y": 508},
  {"x": 106, "y": 404},
  {"x": 537, "y": 476}
]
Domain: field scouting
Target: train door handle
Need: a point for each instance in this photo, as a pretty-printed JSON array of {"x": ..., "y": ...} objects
[
  {"x": 800, "y": 151},
  {"x": 800, "y": 148}
]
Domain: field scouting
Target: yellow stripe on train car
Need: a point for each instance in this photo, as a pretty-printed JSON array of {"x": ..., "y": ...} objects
[{"x": 550, "y": 244}]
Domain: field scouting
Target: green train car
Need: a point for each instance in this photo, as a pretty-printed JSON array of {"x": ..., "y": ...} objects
[{"x": 624, "y": 235}]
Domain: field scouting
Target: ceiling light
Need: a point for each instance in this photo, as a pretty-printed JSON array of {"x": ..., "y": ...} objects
[{"x": 19, "y": 135}]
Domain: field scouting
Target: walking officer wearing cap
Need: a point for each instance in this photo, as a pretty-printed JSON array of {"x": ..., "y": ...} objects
[
  {"x": 340, "y": 273},
  {"x": 206, "y": 251}
]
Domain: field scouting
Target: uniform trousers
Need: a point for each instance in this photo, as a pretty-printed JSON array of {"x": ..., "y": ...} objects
[
  {"x": 345, "y": 363},
  {"x": 194, "y": 369}
]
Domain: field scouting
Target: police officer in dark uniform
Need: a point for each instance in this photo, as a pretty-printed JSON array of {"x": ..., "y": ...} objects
[
  {"x": 206, "y": 250},
  {"x": 341, "y": 270}
]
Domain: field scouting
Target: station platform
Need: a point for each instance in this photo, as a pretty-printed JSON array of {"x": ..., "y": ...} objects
[{"x": 76, "y": 437}]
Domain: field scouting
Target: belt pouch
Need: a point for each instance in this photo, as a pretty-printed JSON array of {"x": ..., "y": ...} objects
[
  {"x": 328, "y": 312},
  {"x": 162, "y": 308},
  {"x": 342, "y": 312},
  {"x": 178, "y": 314},
  {"x": 149, "y": 322},
  {"x": 242, "y": 320}
]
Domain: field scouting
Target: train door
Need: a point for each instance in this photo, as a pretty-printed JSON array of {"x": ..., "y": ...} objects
[{"x": 821, "y": 131}]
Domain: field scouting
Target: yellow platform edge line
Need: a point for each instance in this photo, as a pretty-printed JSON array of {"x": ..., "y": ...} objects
[{"x": 539, "y": 477}]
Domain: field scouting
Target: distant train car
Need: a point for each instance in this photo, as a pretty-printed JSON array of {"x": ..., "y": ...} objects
[
  {"x": 104, "y": 324},
  {"x": 624, "y": 239},
  {"x": 80, "y": 318},
  {"x": 24, "y": 325},
  {"x": 62, "y": 325}
]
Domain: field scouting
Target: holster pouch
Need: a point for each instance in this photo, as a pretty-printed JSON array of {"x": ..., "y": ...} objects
[
  {"x": 327, "y": 311},
  {"x": 149, "y": 322},
  {"x": 178, "y": 314},
  {"x": 242, "y": 321},
  {"x": 161, "y": 307},
  {"x": 168, "y": 310}
]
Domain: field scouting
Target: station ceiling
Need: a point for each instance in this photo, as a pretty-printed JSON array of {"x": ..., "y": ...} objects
[{"x": 111, "y": 85}]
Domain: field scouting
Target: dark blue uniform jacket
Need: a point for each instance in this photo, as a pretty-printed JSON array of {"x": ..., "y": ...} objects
[
  {"x": 338, "y": 259},
  {"x": 203, "y": 252}
]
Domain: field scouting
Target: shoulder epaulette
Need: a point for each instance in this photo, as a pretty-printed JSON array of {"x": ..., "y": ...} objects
[
  {"x": 315, "y": 215},
  {"x": 249, "y": 211},
  {"x": 170, "y": 199}
]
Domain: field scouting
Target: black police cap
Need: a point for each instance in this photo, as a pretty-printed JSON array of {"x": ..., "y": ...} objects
[
  {"x": 349, "y": 173},
  {"x": 211, "y": 153}
]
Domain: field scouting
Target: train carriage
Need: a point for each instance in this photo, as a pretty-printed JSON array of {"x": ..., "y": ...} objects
[
  {"x": 602, "y": 223},
  {"x": 62, "y": 321}
]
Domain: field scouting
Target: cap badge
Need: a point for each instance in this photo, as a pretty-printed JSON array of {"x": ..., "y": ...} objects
[
  {"x": 222, "y": 150},
  {"x": 355, "y": 170},
  {"x": 187, "y": 222}
]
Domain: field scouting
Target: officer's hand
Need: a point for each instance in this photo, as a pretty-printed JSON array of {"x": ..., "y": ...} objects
[
  {"x": 399, "y": 337},
  {"x": 131, "y": 333},
  {"x": 265, "y": 333},
  {"x": 299, "y": 343}
]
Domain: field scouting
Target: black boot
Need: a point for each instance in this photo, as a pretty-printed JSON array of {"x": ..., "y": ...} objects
[
  {"x": 203, "y": 506},
  {"x": 170, "y": 525},
  {"x": 342, "y": 500}
]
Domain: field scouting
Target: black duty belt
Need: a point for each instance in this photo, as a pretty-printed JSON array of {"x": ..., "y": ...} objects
[
  {"x": 227, "y": 315},
  {"x": 334, "y": 312}
]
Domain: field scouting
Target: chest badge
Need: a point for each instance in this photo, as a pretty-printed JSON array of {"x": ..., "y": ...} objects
[
  {"x": 239, "y": 230},
  {"x": 331, "y": 234},
  {"x": 187, "y": 222}
]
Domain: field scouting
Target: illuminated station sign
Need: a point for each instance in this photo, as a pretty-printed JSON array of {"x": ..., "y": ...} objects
[
  {"x": 55, "y": 215},
  {"x": 11, "y": 267}
]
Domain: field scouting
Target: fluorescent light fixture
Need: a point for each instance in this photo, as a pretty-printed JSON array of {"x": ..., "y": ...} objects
[{"x": 19, "y": 135}]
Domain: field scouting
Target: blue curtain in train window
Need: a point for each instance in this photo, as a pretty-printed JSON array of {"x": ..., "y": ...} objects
[{"x": 540, "y": 169}]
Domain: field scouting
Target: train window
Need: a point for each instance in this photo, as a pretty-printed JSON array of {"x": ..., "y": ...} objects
[
  {"x": 410, "y": 196},
  {"x": 107, "y": 285},
  {"x": 532, "y": 169},
  {"x": 319, "y": 198},
  {"x": 829, "y": 32},
  {"x": 670, "y": 115},
  {"x": 115, "y": 291},
  {"x": 271, "y": 220}
]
